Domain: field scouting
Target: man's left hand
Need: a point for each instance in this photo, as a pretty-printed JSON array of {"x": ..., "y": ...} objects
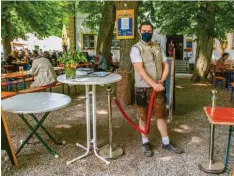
[{"x": 160, "y": 81}]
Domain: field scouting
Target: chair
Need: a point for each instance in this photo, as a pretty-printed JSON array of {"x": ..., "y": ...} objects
[
  {"x": 232, "y": 91},
  {"x": 217, "y": 79}
]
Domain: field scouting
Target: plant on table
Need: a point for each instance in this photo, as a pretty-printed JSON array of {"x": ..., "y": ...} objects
[{"x": 70, "y": 61}]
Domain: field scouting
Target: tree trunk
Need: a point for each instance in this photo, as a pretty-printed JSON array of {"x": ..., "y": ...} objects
[
  {"x": 7, "y": 39},
  {"x": 205, "y": 38},
  {"x": 127, "y": 83},
  {"x": 106, "y": 29}
]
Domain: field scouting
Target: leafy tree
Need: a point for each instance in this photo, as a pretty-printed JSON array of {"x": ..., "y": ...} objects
[
  {"x": 44, "y": 18},
  {"x": 94, "y": 10},
  {"x": 207, "y": 20}
]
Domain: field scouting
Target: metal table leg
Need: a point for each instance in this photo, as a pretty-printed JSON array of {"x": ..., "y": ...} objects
[
  {"x": 231, "y": 129},
  {"x": 47, "y": 132},
  {"x": 94, "y": 140},
  {"x": 110, "y": 151},
  {"x": 211, "y": 166},
  {"x": 34, "y": 129}
]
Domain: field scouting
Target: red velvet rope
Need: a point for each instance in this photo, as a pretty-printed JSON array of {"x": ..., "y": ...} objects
[{"x": 148, "y": 117}]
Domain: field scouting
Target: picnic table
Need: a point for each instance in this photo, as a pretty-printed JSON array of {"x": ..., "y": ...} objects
[
  {"x": 33, "y": 104},
  {"x": 112, "y": 151},
  {"x": 23, "y": 75},
  {"x": 15, "y": 75},
  {"x": 218, "y": 116}
]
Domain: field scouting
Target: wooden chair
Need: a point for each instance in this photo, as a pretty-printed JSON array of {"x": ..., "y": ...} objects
[{"x": 217, "y": 79}]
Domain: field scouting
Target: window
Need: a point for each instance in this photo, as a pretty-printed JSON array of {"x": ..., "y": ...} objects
[
  {"x": 115, "y": 43},
  {"x": 88, "y": 41}
]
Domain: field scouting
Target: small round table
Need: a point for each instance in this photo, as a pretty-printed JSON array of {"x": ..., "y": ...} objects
[
  {"x": 35, "y": 103},
  {"x": 109, "y": 151}
]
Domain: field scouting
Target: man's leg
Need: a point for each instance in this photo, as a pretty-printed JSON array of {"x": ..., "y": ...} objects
[
  {"x": 142, "y": 114},
  {"x": 160, "y": 113}
]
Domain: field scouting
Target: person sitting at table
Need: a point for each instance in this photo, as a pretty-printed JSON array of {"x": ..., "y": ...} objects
[
  {"x": 220, "y": 66},
  {"x": 47, "y": 55},
  {"x": 43, "y": 72},
  {"x": 101, "y": 62},
  {"x": 12, "y": 59},
  {"x": 112, "y": 64}
]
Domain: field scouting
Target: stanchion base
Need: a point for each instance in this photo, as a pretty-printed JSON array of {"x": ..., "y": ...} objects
[
  {"x": 215, "y": 168},
  {"x": 116, "y": 152}
]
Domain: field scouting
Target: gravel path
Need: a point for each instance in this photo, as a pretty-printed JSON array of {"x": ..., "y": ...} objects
[{"x": 189, "y": 130}]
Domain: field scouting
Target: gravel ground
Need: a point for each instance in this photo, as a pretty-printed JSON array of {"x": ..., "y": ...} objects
[{"x": 189, "y": 130}]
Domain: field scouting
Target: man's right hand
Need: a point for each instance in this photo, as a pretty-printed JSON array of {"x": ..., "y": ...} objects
[{"x": 158, "y": 87}]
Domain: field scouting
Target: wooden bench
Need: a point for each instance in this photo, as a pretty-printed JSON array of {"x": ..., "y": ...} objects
[
  {"x": 5, "y": 95},
  {"x": 16, "y": 81},
  {"x": 39, "y": 89}
]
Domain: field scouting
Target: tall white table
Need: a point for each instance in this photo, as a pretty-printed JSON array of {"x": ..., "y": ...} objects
[
  {"x": 93, "y": 82},
  {"x": 35, "y": 103}
]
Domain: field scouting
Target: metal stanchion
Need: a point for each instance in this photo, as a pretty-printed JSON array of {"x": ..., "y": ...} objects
[
  {"x": 110, "y": 151},
  {"x": 211, "y": 166}
]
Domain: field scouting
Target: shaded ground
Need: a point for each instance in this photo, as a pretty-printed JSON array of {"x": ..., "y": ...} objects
[{"x": 189, "y": 130}]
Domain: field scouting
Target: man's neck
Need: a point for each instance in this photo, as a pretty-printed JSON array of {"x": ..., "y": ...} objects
[{"x": 146, "y": 43}]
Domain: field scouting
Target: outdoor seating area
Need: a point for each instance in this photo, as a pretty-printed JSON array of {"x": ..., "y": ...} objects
[{"x": 190, "y": 127}]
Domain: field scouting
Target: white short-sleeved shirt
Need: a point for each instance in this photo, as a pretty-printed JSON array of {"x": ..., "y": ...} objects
[{"x": 136, "y": 55}]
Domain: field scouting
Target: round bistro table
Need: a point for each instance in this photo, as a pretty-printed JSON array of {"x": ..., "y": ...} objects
[{"x": 109, "y": 151}]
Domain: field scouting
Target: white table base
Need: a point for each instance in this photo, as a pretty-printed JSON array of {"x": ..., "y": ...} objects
[{"x": 89, "y": 140}]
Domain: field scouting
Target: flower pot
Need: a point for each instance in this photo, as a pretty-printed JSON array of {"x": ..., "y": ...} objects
[{"x": 70, "y": 73}]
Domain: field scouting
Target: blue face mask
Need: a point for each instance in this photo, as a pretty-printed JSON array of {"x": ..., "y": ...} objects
[{"x": 146, "y": 36}]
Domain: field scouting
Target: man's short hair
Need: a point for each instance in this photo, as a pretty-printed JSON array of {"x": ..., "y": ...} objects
[
  {"x": 225, "y": 54},
  {"x": 146, "y": 23}
]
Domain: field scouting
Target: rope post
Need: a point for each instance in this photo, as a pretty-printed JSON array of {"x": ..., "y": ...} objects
[
  {"x": 110, "y": 151},
  {"x": 211, "y": 166}
]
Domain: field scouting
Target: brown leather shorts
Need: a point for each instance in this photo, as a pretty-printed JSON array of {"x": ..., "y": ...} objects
[{"x": 159, "y": 107}]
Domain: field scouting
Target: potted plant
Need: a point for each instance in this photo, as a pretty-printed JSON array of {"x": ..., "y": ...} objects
[{"x": 70, "y": 62}]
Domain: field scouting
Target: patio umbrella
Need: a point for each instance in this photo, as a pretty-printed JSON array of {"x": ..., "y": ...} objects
[{"x": 64, "y": 38}]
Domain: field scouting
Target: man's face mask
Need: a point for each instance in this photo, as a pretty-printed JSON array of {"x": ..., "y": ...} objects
[{"x": 146, "y": 36}]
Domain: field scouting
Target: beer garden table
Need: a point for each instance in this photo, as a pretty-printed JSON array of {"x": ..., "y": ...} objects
[
  {"x": 109, "y": 151},
  {"x": 32, "y": 104},
  {"x": 218, "y": 116}
]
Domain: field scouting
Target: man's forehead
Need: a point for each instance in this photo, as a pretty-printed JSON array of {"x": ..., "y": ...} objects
[{"x": 146, "y": 27}]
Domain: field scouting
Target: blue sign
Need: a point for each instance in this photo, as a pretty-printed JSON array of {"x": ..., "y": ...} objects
[{"x": 125, "y": 27}]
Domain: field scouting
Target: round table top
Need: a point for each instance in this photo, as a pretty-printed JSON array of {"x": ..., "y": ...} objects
[
  {"x": 111, "y": 78},
  {"x": 32, "y": 103}
]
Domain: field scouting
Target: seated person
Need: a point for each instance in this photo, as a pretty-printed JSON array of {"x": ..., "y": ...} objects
[
  {"x": 12, "y": 59},
  {"x": 47, "y": 55},
  {"x": 101, "y": 62},
  {"x": 43, "y": 72},
  {"x": 220, "y": 66},
  {"x": 114, "y": 66}
]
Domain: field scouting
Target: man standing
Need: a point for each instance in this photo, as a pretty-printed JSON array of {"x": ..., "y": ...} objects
[{"x": 151, "y": 70}]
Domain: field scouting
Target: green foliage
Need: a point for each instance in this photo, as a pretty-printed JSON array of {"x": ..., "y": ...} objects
[
  {"x": 94, "y": 11},
  {"x": 44, "y": 18},
  {"x": 71, "y": 58},
  {"x": 190, "y": 17}
]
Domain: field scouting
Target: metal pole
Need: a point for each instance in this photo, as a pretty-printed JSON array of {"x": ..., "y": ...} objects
[
  {"x": 212, "y": 129},
  {"x": 110, "y": 151},
  {"x": 211, "y": 147},
  {"x": 211, "y": 166},
  {"x": 109, "y": 94}
]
